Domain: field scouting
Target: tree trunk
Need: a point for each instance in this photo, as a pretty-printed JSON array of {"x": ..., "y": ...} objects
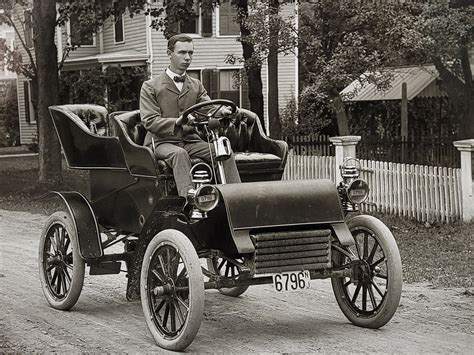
[
  {"x": 341, "y": 115},
  {"x": 252, "y": 68},
  {"x": 44, "y": 20},
  {"x": 460, "y": 94},
  {"x": 273, "y": 112}
]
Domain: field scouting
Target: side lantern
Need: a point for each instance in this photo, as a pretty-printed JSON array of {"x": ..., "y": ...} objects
[
  {"x": 202, "y": 196},
  {"x": 352, "y": 190}
]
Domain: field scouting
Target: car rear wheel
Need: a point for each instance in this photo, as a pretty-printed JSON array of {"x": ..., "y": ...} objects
[
  {"x": 371, "y": 298},
  {"x": 61, "y": 267},
  {"x": 172, "y": 290},
  {"x": 226, "y": 268}
]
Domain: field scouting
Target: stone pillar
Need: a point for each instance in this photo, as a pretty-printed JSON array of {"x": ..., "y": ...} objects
[
  {"x": 466, "y": 147},
  {"x": 345, "y": 148}
]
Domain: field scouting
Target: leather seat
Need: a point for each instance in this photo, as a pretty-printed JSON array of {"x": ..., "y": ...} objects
[
  {"x": 83, "y": 132},
  {"x": 132, "y": 126},
  {"x": 257, "y": 156}
]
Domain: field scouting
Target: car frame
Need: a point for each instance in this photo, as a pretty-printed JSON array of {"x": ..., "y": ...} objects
[{"x": 222, "y": 236}]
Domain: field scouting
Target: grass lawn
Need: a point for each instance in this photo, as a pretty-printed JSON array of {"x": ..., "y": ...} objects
[{"x": 439, "y": 254}]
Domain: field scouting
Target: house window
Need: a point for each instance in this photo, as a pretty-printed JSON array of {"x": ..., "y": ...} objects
[
  {"x": 224, "y": 84},
  {"x": 229, "y": 88},
  {"x": 30, "y": 113},
  {"x": 200, "y": 23},
  {"x": 227, "y": 19},
  {"x": 119, "y": 31},
  {"x": 80, "y": 35},
  {"x": 28, "y": 29}
]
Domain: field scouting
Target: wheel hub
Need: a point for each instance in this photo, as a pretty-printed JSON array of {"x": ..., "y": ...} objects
[
  {"x": 58, "y": 259},
  {"x": 363, "y": 272}
]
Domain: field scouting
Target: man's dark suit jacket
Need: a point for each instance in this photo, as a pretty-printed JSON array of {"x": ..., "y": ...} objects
[{"x": 161, "y": 104}]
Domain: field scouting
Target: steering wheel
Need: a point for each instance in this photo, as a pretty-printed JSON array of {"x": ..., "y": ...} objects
[{"x": 204, "y": 117}]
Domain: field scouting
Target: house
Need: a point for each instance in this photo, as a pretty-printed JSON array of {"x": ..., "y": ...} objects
[{"x": 131, "y": 42}]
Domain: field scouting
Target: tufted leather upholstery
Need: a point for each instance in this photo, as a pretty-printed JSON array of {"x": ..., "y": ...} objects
[
  {"x": 257, "y": 156},
  {"x": 90, "y": 117}
]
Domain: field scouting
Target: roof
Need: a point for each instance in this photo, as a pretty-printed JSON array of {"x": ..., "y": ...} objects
[
  {"x": 421, "y": 81},
  {"x": 120, "y": 57}
]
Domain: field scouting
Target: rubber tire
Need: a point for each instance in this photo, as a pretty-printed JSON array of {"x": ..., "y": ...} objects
[
  {"x": 231, "y": 292},
  {"x": 196, "y": 293},
  {"x": 77, "y": 277},
  {"x": 394, "y": 270}
]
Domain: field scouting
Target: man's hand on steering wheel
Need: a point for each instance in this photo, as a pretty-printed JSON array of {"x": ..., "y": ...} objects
[
  {"x": 227, "y": 111},
  {"x": 192, "y": 120},
  {"x": 219, "y": 106}
]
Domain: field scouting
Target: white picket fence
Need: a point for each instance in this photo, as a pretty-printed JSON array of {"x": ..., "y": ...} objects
[{"x": 425, "y": 193}]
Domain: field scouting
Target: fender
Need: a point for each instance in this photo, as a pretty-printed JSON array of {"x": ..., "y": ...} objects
[
  {"x": 85, "y": 223},
  {"x": 163, "y": 216},
  {"x": 282, "y": 204}
]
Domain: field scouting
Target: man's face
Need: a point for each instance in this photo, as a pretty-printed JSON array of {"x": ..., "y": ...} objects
[{"x": 181, "y": 56}]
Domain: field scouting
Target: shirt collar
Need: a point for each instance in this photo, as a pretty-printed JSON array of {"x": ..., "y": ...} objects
[{"x": 172, "y": 74}]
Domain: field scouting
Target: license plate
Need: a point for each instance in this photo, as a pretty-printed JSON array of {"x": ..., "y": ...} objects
[
  {"x": 207, "y": 198},
  {"x": 358, "y": 192},
  {"x": 291, "y": 281}
]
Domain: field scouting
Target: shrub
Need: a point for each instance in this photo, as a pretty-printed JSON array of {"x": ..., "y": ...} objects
[{"x": 313, "y": 114}]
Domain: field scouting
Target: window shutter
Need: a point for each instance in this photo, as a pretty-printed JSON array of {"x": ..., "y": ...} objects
[
  {"x": 26, "y": 95},
  {"x": 28, "y": 29},
  {"x": 215, "y": 90},
  {"x": 206, "y": 22},
  {"x": 210, "y": 80},
  {"x": 206, "y": 80},
  {"x": 244, "y": 87}
]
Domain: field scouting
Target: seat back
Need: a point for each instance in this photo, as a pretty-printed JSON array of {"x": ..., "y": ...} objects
[
  {"x": 81, "y": 130},
  {"x": 131, "y": 133},
  {"x": 90, "y": 117},
  {"x": 132, "y": 125}
]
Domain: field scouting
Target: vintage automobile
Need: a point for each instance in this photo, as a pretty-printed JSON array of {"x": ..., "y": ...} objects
[{"x": 222, "y": 236}]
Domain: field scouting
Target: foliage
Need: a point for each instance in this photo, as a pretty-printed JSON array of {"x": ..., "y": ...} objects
[
  {"x": 11, "y": 115},
  {"x": 343, "y": 41},
  {"x": 313, "y": 114},
  {"x": 91, "y": 86}
]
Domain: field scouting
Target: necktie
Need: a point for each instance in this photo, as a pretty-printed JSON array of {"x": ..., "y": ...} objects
[{"x": 179, "y": 79}]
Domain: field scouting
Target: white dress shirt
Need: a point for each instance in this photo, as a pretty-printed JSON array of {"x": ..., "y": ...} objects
[{"x": 172, "y": 74}]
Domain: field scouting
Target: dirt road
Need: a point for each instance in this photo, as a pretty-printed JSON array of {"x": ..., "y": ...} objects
[{"x": 428, "y": 320}]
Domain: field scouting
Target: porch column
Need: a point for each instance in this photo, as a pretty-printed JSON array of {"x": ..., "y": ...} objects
[
  {"x": 466, "y": 147},
  {"x": 345, "y": 148}
]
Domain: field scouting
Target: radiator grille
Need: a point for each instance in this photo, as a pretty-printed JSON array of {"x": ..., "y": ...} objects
[{"x": 292, "y": 251}]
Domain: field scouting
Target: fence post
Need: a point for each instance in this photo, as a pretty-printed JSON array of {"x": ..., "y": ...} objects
[
  {"x": 466, "y": 147},
  {"x": 345, "y": 147}
]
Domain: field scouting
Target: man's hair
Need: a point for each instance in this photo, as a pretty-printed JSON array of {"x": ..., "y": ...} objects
[{"x": 178, "y": 38}]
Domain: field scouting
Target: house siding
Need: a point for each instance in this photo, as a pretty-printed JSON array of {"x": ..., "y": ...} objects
[
  {"x": 28, "y": 131},
  {"x": 134, "y": 34}
]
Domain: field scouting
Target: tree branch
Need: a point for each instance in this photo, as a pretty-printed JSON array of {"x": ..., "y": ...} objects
[
  {"x": 15, "y": 28},
  {"x": 449, "y": 79}
]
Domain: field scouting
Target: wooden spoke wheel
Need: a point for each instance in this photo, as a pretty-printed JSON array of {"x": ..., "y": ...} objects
[
  {"x": 172, "y": 290},
  {"x": 61, "y": 267},
  {"x": 226, "y": 268},
  {"x": 371, "y": 299}
]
